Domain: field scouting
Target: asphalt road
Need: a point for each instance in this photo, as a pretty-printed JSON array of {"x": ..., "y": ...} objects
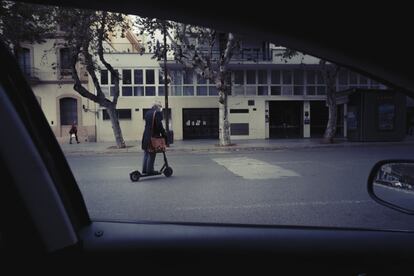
[{"x": 308, "y": 187}]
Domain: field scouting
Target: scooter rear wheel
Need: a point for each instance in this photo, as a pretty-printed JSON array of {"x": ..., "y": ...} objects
[
  {"x": 135, "y": 175},
  {"x": 168, "y": 171}
]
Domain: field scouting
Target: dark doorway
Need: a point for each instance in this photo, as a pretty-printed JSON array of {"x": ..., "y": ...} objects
[
  {"x": 319, "y": 115},
  {"x": 68, "y": 111},
  {"x": 200, "y": 123},
  {"x": 319, "y": 118},
  {"x": 285, "y": 120}
]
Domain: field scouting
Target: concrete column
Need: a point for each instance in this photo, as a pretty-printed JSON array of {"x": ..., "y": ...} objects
[
  {"x": 306, "y": 119},
  {"x": 267, "y": 135}
]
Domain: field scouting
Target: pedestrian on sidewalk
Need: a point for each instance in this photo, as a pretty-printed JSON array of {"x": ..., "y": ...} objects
[
  {"x": 73, "y": 132},
  {"x": 153, "y": 128}
]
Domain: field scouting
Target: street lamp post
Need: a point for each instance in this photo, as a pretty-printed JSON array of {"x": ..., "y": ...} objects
[{"x": 167, "y": 125}]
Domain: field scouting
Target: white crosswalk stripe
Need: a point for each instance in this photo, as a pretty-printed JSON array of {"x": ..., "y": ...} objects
[{"x": 249, "y": 168}]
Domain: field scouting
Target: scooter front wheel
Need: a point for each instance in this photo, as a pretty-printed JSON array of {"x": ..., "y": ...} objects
[
  {"x": 135, "y": 175},
  {"x": 168, "y": 171}
]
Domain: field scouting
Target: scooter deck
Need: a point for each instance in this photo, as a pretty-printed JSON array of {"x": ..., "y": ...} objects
[{"x": 150, "y": 174}]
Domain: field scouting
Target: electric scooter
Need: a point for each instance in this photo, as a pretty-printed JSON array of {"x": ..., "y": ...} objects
[{"x": 165, "y": 169}]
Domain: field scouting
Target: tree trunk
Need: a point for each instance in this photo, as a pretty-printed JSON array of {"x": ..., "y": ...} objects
[
  {"x": 331, "y": 125},
  {"x": 113, "y": 116},
  {"x": 224, "y": 125},
  {"x": 99, "y": 98},
  {"x": 329, "y": 73}
]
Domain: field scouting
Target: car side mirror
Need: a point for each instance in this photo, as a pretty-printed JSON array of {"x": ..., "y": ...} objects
[{"x": 391, "y": 183}]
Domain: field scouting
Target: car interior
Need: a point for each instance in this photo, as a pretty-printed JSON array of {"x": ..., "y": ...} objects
[{"x": 43, "y": 212}]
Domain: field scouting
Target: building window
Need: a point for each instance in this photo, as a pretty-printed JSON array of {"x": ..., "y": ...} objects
[
  {"x": 262, "y": 90},
  {"x": 150, "y": 91},
  {"x": 250, "y": 77},
  {"x": 251, "y": 90},
  {"x": 342, "y": 78},
  {"x": 138, "y": 91},
  {"x": 138, "y": 81},
  {"x": 275, "y": 77},
  {"x": 321, "y": 90},
  {"x": 188, "y": 82},
  {"x": 202, "y": 90},
  {"x": 275, "y": 89},
  {"x": 188, "y": 91},
  {"x": 23, "y": 58},
  {"x": 112, "y": 91},
  {"x": 176, "y": 90},
  {"x": 212, "y": 91},
  {"x": 65, "y": 64},
  {"x": 201, "y": 80},
  {"x": 310, "y": 82},
  {"x": 149, "y": 76},
  {"x": 239, "y": 111},
  {"x": 188, "y": 76},
  {"x": 123, "y": 114},
  {"x": 251, "y": 83},
  {"x": 386, "y": 117},
  {"x": 113, "y": 77},
  {"x": 262, "y": 77},
  {"x": 203, "y": 86},
  {"x": 311, "y": 90},
  {"x": 299, "y": 82},
  {"x": 138, "y": 77},
  {"x": 161, "y": 91},
  {"x": 176, "y": 83},
  {"x": 287, "y": 88},
  {"x": 176, "y": 77},
  {"x": 104, "y": 77},
  {"x": 106, "y": 82},
  {"x": 353, "y": 79},
  {"x": 127, "y": 91},
  {"x": 239, "y": 129},
  {"x": 287, "y": 77},
  {"x": 134, "y": 82},
  {"x": 315, "y": 84},
  {"x": 185, "y": 83},
  {"x": 68, "y": 111},
  {"x": 239, "y": 77},
  {"x": 238, "y": 83},
  {"x": 126, "y": 77},
  {"x": 298, "y": 90},
  {"x": 127, "y": 80},
  {"x": 160, "y": 77}
]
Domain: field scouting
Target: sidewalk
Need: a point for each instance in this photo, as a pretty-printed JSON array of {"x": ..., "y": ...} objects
[{"x": 209, "y": 145}]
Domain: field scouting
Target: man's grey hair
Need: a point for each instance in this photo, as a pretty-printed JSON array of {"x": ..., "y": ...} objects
[{"x": 157, "y": 104}]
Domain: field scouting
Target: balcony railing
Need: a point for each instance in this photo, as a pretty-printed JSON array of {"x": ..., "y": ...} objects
[
  {"x": 243, "y": 55},
  {"x": 31, "y": 74},
  {"x": 35, "y": 75}
]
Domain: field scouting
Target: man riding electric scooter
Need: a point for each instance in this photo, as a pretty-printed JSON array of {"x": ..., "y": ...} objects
[{"x": 153, "y": 128}]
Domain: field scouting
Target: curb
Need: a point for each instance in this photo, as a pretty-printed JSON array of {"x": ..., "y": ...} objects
[{"x": 136, "y": 149}]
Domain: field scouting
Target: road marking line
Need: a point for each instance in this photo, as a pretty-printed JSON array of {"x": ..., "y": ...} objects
[{"x": 250, "y": 168}]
